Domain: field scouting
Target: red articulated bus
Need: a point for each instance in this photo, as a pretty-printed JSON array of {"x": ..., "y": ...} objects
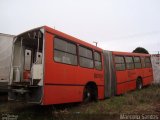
[{"x": 51, "y": 67}]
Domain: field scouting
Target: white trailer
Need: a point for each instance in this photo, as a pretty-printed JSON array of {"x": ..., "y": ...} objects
[
  {"x": 6, "y": 43},
  {"x": 155, "y": 58}
]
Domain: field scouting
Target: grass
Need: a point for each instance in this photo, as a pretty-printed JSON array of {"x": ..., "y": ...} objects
[
  {"x": 132, "y": 102},
  {"x": 146, "y": 101}
]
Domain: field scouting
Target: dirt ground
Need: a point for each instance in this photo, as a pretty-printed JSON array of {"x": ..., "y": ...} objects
[{"x": 143, "y": 104}]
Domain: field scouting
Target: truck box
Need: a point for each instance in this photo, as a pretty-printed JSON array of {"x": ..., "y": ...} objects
[{"x": 6, "y": 43}]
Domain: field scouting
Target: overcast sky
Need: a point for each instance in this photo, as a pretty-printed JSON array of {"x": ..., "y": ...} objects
[{"x": 120, "y": 25}]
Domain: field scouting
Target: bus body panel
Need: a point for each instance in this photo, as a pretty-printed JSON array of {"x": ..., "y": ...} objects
[
  {"x": 126, "y": 79},
  {"x": 58, "y": 94},
  {"x": 57, "y": 73},
  {"x": 132, "y": 77},
  {"x": 60, "y": 79},
  {"x": 64, "y": 83},
  {"x": 122, "y": 81},
  {"x": 147, "y": 75}
]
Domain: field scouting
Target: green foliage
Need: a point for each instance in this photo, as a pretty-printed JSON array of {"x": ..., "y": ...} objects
[{"x": 140, "y": 50}]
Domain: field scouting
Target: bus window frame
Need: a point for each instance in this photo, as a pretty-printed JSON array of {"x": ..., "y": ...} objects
[
  {"x": 120, "y": 63},
  {"x": 148, "y": 62},
  {"x": 137, "y": 62},
  {"x": 129, "y": 63},
  {"x": 85, "y": 57},
  {"x": 96, "y": 60},
  {"x": 143, "y": 61},
  {"x": 68, "y": 41}
]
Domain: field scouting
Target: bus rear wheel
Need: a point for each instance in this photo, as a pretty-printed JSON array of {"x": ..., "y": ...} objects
[
  {"x": 139, "y": 84},
  {"x": 90, "y": 94}
]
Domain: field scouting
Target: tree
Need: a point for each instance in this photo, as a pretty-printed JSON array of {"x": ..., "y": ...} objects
[{"x": 140, "y": 50}]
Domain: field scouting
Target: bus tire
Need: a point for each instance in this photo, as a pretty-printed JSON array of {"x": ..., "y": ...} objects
[
  {"x": 139, "y": 84},
  {"x": 90, "y": 94}
]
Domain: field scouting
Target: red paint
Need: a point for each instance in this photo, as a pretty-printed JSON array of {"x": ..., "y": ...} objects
[{"x": 26, "y": 75}]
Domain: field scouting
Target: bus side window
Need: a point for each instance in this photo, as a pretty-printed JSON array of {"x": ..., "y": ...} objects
[
  {"x": 85, "y": 57},
  {"x": 129, "y": 63},
  {"x": 142, "y": 62},
  {"x": 137, "y": 62},
  {"x": 148, "y": 62},
  {"x": 97, "y": 60},
  {"x": 65, "y": 52},
  {"x": 119, "y": 63}
]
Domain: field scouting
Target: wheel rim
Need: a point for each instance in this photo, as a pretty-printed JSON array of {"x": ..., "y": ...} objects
[
  {"x": 87, "y": 96},
  {"x": 139, "y": 84}
]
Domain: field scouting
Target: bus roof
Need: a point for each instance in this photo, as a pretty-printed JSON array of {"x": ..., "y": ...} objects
[
  {"x": 129, "y": 53},
  {"x": 69, "y": 37},
  {"x": 63, "y": 35}
]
